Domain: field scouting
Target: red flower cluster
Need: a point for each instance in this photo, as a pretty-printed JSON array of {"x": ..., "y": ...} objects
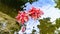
[
  {"x": 35, "y": 13},
  {"x": 22, "y": 17}
]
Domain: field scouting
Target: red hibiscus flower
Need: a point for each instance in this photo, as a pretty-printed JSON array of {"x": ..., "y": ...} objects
[
  {"x": 35, "y": 13},
  {"x": 23, "y": 28},
  {"x": 22, "y": 17}
]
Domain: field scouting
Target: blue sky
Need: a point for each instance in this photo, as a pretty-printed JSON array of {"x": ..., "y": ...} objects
[{"x": 41, "y": 3}]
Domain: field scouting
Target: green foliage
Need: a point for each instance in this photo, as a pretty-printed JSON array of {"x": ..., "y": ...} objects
[
  {"x": 33, "y": 31},
  {"x": 17, "y": 4},
  {"x": 14, "y": 3},
  {"x": 58, "y": 22},
  {"x": 8, "y": 25},
  {"x": 11, "y": 7},
  {"x": 58, "y": 4},
  {"x": 8, "y": 10},
  {"x": 46, "y": 27}
]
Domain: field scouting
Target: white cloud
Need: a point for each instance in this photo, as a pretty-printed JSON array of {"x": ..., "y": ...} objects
[{"x": 51, "y": 12}]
